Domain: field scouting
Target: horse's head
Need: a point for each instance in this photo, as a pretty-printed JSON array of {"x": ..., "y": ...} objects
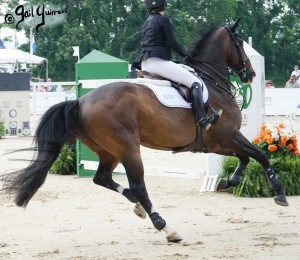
[
  {"x": 237, "y": 59},
  {"x": 221, "y": 48}
]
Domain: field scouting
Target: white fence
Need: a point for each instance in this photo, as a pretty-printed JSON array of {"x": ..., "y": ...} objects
[
  {"x": 282, "y": 101},
  {"x": 277, "y": 101},
  {"x": 40, "y": 102},
  {"x": 58, "y": 86}
]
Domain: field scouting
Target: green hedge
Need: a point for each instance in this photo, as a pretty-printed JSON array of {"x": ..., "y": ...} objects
[
  {"x": 2, "y": 129},
  {"x": 254, "y": 182}
]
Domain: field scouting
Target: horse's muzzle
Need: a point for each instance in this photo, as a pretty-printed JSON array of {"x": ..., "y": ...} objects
[{"x": 247, "y": 76}]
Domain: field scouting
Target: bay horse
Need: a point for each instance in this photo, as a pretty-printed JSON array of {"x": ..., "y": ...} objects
[{"x": 115, "y": 119}]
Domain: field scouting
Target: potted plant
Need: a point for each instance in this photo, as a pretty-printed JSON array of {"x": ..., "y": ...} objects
[
  {"x": 279, "y": 144},
  {"x": 65, "y": 163}
]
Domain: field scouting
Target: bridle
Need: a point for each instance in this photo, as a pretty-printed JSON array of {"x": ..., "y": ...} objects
[
  {"x": 243, "y": 71},
  {"x": 244, "y": 74}
]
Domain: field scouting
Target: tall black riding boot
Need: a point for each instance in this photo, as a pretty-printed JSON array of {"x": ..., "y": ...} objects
[{"x": 199, "y": 112}]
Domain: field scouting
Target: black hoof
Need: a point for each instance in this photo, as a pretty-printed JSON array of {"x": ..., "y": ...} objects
[
  {"x": 281, "y": 200},
  {"x": 234, "y": 180},
  {"x": 173, "y": 237},
  {"x": 221, "y": 185}
]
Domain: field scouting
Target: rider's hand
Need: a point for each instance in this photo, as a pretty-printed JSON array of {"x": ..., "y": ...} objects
[{"x": 188, "y": 55}]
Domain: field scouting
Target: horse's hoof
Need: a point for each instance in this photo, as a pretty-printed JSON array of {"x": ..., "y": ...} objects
[
  {"x": 221, "y": 185},
  {"x": 173, "y": 237},
  {"x": 281, "y": 200},
  {"x": 139, "y": 211}
]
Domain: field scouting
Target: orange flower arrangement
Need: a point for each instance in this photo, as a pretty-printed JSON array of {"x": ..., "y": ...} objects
[
  {"x": 277, "y": 141},
  {"x": 270, "y": 139},
  {"x": 272, "y": 148}
]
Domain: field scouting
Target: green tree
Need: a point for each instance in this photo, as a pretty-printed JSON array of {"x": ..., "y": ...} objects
[
  {"x": 114, "y": 27},
  {"x": 2, "y": 129},
  {"x": 126, "y": 18},
  {"x": 6, "y": 5},
  {"x": 109, "y": 26},
  {"x": 273, "y": 27}
]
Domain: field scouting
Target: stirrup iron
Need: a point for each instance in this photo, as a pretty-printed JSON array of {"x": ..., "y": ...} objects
[{"x": 215, "y": 115}]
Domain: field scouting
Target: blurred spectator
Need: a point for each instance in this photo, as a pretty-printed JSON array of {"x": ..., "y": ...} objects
[
  {"x": 296, "y": 72},
  {"x": 292, "y": 82},
  {"x": 50, "y": 88},
  {"x": 42, "y": 88},
  {"x": 269, "y": 84},
  {"x": 60, "y": 88}
]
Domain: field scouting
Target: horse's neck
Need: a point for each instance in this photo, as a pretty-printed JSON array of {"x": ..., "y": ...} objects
[{"x": 213, "y": 66}]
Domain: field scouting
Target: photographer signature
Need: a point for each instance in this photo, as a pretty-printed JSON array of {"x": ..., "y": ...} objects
[{"x": 32, "y": 12}]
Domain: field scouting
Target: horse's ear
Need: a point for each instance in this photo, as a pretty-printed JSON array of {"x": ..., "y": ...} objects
[{"x": 234, "y": 25}]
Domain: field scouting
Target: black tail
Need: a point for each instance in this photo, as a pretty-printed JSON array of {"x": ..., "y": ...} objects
[{"x": 57, "y": 126}]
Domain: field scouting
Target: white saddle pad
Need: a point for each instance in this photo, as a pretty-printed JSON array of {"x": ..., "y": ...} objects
[{"x": 168, "y": 95}]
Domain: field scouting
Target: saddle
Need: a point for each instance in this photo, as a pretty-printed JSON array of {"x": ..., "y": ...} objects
[
  {"x": 183, "y": 90},
  {"x": 197, "y": 145}
]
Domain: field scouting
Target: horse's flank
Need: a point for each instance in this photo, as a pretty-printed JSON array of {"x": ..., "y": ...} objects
[{"x": 155, "y": 125}]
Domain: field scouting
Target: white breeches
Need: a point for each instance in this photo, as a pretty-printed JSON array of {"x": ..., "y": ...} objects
[{"x": 170, "y": 70}]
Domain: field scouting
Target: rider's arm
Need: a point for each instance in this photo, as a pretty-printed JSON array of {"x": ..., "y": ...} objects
[{"x": 168, "y": 30}]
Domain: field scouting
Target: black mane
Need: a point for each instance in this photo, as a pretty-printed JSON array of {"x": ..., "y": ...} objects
[{"x": 203, "y": 33}]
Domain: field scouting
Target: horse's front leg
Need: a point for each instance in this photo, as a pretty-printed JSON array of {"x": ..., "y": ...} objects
[
  {"x": 240, "y": 145},
  {"x": 236, "y": 178},
  {"x": 135, "y": 174},
  {"x": 103, "y": 177},
  {"x": 275, "y": 184}
]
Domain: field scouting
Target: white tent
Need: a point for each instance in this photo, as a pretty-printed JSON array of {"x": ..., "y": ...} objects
[
  {"x": 12, "y": 56},
  {"x": 15, "y": 56}
]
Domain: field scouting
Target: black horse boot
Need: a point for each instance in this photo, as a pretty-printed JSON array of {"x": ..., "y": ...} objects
[{"x": 199, "y": 112}]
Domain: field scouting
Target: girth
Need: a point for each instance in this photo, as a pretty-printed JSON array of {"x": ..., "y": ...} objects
[{"x": 195, "y": 147}]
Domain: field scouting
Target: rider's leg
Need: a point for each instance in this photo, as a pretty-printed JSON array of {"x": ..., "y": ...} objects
[
  {"x": 199, "y": 110},
  {"x": 170, "y": 70},
  {"x": 177, "y": 73}
]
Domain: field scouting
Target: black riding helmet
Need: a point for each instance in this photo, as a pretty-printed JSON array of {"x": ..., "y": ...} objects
[{"x": 155, "y": 4}]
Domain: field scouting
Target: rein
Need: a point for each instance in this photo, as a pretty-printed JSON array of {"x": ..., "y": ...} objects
[{"x": 207, "y": 76}]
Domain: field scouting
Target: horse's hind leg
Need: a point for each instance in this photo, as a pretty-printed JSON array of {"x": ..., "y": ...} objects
[
  {"x": 135, "y": 174},
  {"x": 103, "y": 176},
  {"x": 236, "y": 178}
]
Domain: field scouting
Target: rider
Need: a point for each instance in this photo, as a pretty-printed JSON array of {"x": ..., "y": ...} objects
[{"x": 157, "y": 41}]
